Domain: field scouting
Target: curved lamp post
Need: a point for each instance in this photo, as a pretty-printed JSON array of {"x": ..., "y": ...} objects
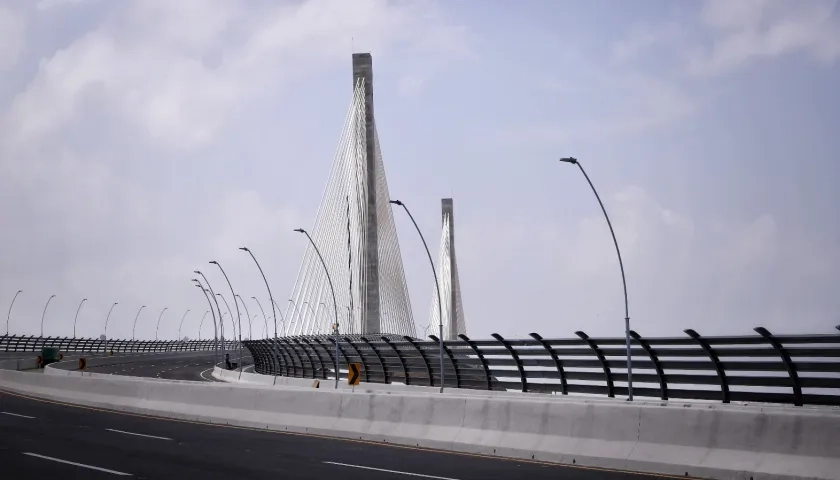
[
  {"x": 77, "y": 316},
  {"x": 158, "y": 322},
  {"x": 10, "y": 310},
  {"x": 294, "y": 313},
  {"x": 335, "y": 305},
  {"x": 216, "y": 301},
  {"x": 247, "y": 314},
  {"x": 238, "y": 316},
  {"x": 264, "y": 317},
  {"x": 135, "y": 322},
  {"x": 106, "y": 325},
  {"x": 437, "y": 287},
  {"x": 182, "y": 324},
  {"x": 43, "y": 314},
  {"x": 282, "y": 318},
  {"x": 575, "y": 161},
  {"x": 201, "y": 324},
  {"x": 227, "y": 305},
  {"x": 270, "y": 297}
]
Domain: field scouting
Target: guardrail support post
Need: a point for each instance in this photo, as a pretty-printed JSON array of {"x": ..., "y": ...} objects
[
  {"x": 422, "y": 356},
  {"x": 602, "y": 360},
  {"x": 378, "y": 357},
  {"x": 399, "y": 356},
  {"x": 724, "y": 385},
  {"x": 663, "y": 387},
  {"x": 563, "y": 384},
  {"x": 791, "y": 368},
  {"x": 523, "y": 380},
  {"x": 480, "y": 358}
]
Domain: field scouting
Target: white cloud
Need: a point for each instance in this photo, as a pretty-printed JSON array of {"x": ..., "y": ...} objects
[
  {"x": 680, "y": 273},
  {"x": 745, "y": 31},
  {"x": 178, "y": 69},
  {"x": 13, "y": 27}
]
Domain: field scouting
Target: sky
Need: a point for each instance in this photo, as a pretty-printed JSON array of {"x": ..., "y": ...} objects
[{"x": 141, "y": 139}]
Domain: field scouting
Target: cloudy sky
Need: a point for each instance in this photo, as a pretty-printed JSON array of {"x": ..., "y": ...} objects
[{"x": 138, "y": 140}]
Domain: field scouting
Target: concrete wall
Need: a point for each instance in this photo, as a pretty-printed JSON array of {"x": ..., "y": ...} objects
[{"x": 706, "y": 440}]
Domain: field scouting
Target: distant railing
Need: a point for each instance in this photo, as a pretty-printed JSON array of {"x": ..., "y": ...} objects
[
  {"x": 14, "y": 343},
  {"x": 765, "y": 368}
]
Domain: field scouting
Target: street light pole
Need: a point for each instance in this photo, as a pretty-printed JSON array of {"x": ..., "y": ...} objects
[
  {"x": 216, "y": 301},
  {"x": 238, "y": 316},
  {"x": 106, "y": 325},
  {"x": 271, "y": 300},
  {"x": 247, "y": 314},
  {"x": 270, "y": 297},
  {"x": 45, "y": 312},
  {"x": 215, "y": 326},
  {"x": 335, "y": 305},
  {"x": 135, "y": 322},
  {"x": 437, "y": 287},
  {"x": 265, "y": 319},
  {"x": 202, "y": 321},
  {"x": 77, "y": 316},
  {"x": 158, "y": 322},
  {"x": 182, "y": 324},
  {"x": 10, "y": 310},
  {"x": 575, "y": 161}
]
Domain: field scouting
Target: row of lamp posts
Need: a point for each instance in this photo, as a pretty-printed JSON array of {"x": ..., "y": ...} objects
[{"x": 219, "y": 327}]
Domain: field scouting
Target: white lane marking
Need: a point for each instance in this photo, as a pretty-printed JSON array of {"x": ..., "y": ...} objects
[
  {"x": 138, "y": 434},
  {"x": 77, "y": 464},
  {"x": 16, "y": 415},
  {"x": 390, "y": 471},
  {"x": 203, "y": 372}
]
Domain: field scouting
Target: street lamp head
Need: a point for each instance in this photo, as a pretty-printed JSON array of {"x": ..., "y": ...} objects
[
  {"x": 571, "y": 160},
  {"x": 300, "y": 230},
  {"x": 395, "y": 202},
  {"x": 194, "y": 280},
  {"x": 254, "y": 298},
  {"x": 196, "y": 272},
  {"x": 245, "y": 249},
  {"x": 214, "y": 262}
]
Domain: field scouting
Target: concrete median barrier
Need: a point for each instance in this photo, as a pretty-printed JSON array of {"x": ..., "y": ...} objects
[{"x": 717, "y": 441}]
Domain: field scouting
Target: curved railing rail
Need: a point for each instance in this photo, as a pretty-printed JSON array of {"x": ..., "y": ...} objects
[
  {"x": 15, "y": 343},
  {"x": 766, "y": 368}
]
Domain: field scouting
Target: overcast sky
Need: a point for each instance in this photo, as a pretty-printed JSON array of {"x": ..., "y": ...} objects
[{"x": 139, "y": 140}]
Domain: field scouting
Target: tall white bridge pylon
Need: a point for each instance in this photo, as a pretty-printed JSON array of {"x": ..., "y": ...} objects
[
  {"x": 450, "y": 285},
  {"x": 355, "y": 232}
]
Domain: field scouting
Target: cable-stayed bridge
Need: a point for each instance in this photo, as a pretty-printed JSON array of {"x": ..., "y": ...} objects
[{"x": 356, "y": 234}]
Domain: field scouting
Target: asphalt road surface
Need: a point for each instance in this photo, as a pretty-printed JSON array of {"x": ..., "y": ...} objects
[
  {"x": 183, "y": 368},
  {"x": 41, "y": 439}
]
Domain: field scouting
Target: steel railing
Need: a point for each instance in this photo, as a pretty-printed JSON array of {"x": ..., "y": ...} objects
[
  {"x": 15, "y": 343},
  {"x": 793, "y": 369}
]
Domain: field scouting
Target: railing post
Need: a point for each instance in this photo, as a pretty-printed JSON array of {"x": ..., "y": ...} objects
[
  {"x": 791, "y": 368},
  {"x": 361, "y": 359},
  {"x": 663, "y": 387},
  {"x": 330, "y": 353},
  {"x": 312, "y": 342},
  {"x": 290, "y": 351},
  {"x": 563, "y": 384},
  {"x": 602, "y": 360},
  {"x": 451, "y": 360},
  {"x": 480, "y": 358},
  {"x": 422, "y": 356},
  {"x": 378, "y": 357},
  {"x": 523, "y": 380},
  {"x": 399, "y": 356},
  {"x": 318, "y": 356},
  {"x": 724, "y": 385},
  {"x": 308, "y": 357},
  {"x": 341, "y": 351}
]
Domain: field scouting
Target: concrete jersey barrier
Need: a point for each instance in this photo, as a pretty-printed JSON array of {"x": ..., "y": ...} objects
[{"x": 706, "y": 441}]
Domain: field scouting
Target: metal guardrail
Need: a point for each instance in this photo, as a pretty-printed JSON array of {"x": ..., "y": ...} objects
[
  {"x": 765, "y": 368},
  {"x": 14, "y": 343}
]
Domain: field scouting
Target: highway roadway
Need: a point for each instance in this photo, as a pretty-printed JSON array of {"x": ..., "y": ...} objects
[
  {"x": 42, "y": 439},
  {"x": 195, "y": 367}
]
